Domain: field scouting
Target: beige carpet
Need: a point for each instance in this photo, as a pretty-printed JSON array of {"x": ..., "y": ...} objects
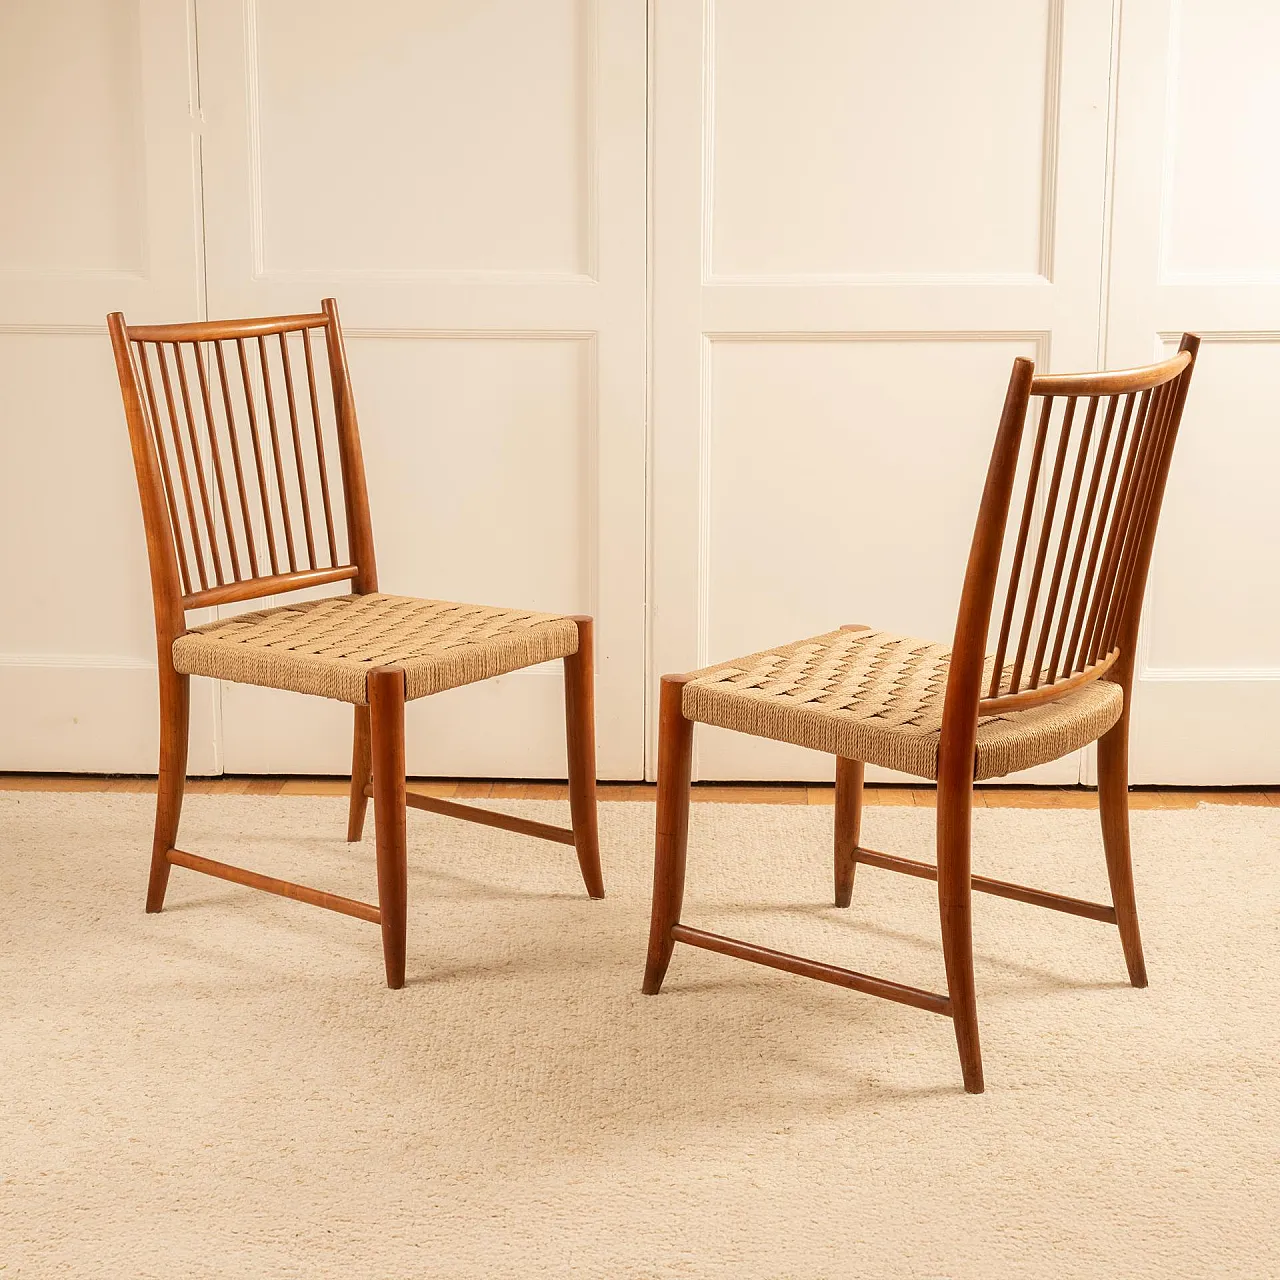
[{"x": 227, "y": 1089}]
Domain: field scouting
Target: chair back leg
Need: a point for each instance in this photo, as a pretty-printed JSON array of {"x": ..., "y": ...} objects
[
  {"x": 386, "y": 721},
  {"x": 580, "y": 736},
  {"x": 675, "y": 769},
  {"x": 849, "y": 774},
  {"x": 1113, "y": 807},
  {"x": 175, "y": 724},
  {"x": 955, "y": 814},
  {"x": 361, "y": 775}
]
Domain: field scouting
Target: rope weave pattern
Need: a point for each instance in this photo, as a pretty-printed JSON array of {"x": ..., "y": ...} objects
[
  {"x": 328, "y": 647},
  {"x": 877, "y": 697}
]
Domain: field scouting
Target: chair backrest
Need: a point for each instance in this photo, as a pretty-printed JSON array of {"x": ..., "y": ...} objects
[
  {"x": 1090, "y": 479},
  {"x": 238, "y": 454}
]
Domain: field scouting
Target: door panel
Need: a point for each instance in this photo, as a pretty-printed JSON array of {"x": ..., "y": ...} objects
[
  {"x": 809, "y": 116},
  {"x": 468, "y": 180},
  {"x": 100, "y": 213},
  {"x": 833, "y": 327},
  {"x": 459, "y": 135},
  {"x": 1194, "y": 247}
]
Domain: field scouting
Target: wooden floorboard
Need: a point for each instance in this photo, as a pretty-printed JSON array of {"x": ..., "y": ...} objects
[{"x": 708, "y": 793}]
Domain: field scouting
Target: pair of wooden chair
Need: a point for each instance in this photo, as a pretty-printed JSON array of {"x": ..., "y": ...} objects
[{"x": 236, "y": 457}]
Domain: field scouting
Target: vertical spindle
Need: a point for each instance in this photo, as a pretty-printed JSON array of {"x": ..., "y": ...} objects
[
  {"x": 320, "y": 451},
  {"x": 210, "y": 523},
  {"x": 233, "y": 435},
  {"x": 275, "y": 453},
  {"x": 297, "y": 449},
  {"x": 1042, "y": 550},
  {"x": 162, "y": 453},
  {"x": 255, "y": 436},
  {"x": 182, "y": 466},
  {"x": 1024, "y": 527}
]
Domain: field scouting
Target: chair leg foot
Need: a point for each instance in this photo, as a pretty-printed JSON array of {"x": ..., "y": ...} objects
[
  {"x": 1113, "y": 808},
  {"x": 361, "y": 775},
  {"x": 175, "y": 720},
  {"x": 580, "y": 736},
  {"x": 675, "y": 761},
  {"x": 848, "y": 825},
  {"x": 386, "y": 720},
  {"x": 964, "y": 1009},
  {"x": 158, "y": 878},
  {"x": 955, "y": 909}
]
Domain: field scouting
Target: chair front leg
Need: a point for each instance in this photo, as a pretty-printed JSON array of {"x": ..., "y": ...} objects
[
  {"x": 1113, "y": 807},
  {"x": 955, "y": 813},
  {"x": 361, "y": 775},
  {"x": 175, "y": 724},
  {"x": 580, "y": 735},
  {"x": 386, "y": 721},
  {"x": 849, "y": 775},
  {"x": 675, "y": 764}
]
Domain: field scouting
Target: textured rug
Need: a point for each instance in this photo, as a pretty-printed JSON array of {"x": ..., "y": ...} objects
[{"x": 227, "y": 1089}]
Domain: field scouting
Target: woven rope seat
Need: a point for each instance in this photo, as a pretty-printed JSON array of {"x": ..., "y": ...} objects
[
  {"x": 328, "y": 647},
  {"x": 877, "y": 697}
]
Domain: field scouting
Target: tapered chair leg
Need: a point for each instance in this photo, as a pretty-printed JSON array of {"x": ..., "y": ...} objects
[
  {"x": 1113, "y": 806},
  {"x": 386, "y": 722},
  {"x": 955, "y": 804},
  {"x": 675, "y": 764},
  {"x": 175, "y": 723},
  {"x": 848, "y": 825},
  {"x": 580, "y": 736},
  {"x": 361, "y": 775}
]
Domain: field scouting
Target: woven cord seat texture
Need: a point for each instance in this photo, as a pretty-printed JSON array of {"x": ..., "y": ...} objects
[
  {"x": 328, "y": 647},
  {"x": 877, "y": 697}
]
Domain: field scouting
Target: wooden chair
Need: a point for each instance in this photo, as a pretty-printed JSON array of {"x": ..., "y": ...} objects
[
  {"x": 238, "y": 502},
  {"x": 1060, "y": 677}
]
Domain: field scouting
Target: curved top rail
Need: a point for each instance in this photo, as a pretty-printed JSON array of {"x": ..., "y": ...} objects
[
  {"x": 213, "y": 330},
  {"x": 1117, "y": 382}
]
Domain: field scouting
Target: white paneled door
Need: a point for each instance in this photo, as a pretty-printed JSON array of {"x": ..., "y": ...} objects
[
  {"x": 696, "y": 315},
  {"x": 467, "y": 178},
  {"x": 862, "y": 214},
  {"x": 1196, "y": 245}
]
